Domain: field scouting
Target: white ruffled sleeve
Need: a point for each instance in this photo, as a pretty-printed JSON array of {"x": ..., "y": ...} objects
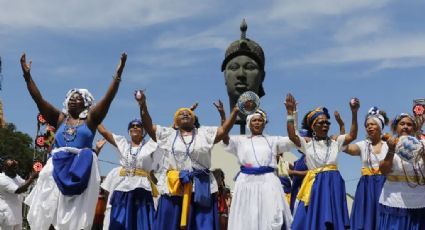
[{"x": 232, "y": 147}]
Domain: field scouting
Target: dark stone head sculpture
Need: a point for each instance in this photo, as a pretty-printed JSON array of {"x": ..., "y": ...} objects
[{"x": 243, "y": 68}]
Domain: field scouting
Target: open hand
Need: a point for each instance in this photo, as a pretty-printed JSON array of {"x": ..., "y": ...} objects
[
  {"x": 26, "y": 67},
  {"x": 219, "y": 105},
  {"x": 290, "y": 103},
  {"x": 121, "y": 65}
]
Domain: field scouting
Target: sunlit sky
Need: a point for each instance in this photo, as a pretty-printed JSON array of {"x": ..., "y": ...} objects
[{"x": 323, "y": 51}]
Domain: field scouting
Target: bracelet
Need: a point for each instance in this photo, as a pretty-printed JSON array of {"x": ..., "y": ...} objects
[
  {"x": 290, "y": 118},
  {"x": 116, "y": 78},
  {"x": 390, "y": 152}
]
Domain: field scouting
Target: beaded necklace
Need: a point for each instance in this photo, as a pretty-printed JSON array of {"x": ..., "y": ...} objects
[
  {"x": 270, "y": 156},
  {"x": 187, "y": 146},
  {"x": 370, "y": 152},
  {"x": 131, "y": 159},
  {"x": 70, "y": 131},
  {"x": 324, "y": 160}
]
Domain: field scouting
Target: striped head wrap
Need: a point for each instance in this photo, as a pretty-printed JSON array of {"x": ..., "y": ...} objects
[
  {"x": 314, "y": 114},
  {"x": 374, "y": 114},
  {"x": 260, "y": 113},
  {"x": 398, "y": 118}
]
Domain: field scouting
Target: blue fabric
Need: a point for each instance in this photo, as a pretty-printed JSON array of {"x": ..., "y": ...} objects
[
  {"x": 84, "y": 137},
  {"x": 365, "y": 210},
  {"x": 328, "y": 204},
  {"x": 201, "y": 179},
  {"x": 286, "y": 182},
  {"x": 400, "y": 218},
  {"x": 132, "y": 210},
  {"x": 256, "y": 170},
  {"x": 299, "y": 165},
  {"x": 169, "y": 212},
  {"x": 71, "y": 172}
]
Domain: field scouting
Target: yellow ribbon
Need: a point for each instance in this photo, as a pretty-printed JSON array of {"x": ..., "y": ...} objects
[
  {"x": 403, "y": 178},
  {"x": 305, "y": 190},
  {"x": 175, "y": 188},
  {"x": 370, "y": 171},
  {"x": 142, "y": 173}
]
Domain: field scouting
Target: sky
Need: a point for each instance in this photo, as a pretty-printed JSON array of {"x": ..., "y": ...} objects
[{"x": 324, "y": 52}]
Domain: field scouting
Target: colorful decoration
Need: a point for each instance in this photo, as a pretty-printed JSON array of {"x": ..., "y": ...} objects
[{"x": 37, "y": 166}]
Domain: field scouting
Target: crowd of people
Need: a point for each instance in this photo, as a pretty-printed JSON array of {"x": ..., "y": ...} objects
[{"x": 165, "y": 180}]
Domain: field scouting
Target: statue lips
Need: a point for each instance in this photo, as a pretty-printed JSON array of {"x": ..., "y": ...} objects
[{"x": 241, "y": 87}]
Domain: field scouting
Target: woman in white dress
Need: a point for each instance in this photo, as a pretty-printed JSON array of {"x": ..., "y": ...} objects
[
  {"x": 132, "y": 205},
  {"x": 258, "y": 198},
  {"x": 403, "y": 195},
  {"x": 185, "y": 166},
  {"x": 67, "y": 190}
]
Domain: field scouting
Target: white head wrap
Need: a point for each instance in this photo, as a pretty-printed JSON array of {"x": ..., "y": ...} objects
[
  {"x": 260, "y": 113},
  {"x": 88, "y": 101}
]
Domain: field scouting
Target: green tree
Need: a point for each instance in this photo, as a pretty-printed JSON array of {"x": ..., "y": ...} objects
[{"x": 18, "y": 146}]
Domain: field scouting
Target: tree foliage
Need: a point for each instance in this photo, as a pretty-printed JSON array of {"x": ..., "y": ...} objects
[{"x": 18, "y": 146}]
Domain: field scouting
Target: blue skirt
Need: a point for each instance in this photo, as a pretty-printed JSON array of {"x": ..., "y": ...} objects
[
  {"x": 169, "y": 212},
  {"x": 132, "y": 210},
  {"x": 365, "y": 211},
  {"x": 328, "y": 204},
  {"x": 401, "y": 218}
]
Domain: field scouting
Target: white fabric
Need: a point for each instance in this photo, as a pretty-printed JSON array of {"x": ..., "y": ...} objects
[
  {"x": 374, "y": 158},
  {"x": 10, "y": 202},
  {"x": 258, "y": 200},
  {"x": 199, "y": 153},
  {"x": 144, "y": 160},
  {"x": 49, "y": 206},
  {"x": 109, "y": 184},
  {"x": 400, "y": 194},
  {"x": 320, "y": 151}
]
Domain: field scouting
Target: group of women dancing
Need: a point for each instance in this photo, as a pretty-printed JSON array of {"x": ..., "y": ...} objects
[{"x": 390, "y": 193}]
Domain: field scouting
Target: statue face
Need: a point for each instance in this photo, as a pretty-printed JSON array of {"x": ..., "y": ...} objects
[{"x": 242, "y": 74}]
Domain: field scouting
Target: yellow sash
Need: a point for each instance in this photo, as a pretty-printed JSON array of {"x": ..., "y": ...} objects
[
  {"x": 305, "y": 190},
  {"x": 175, "y": 189},
  {"x": 143, "y": 173},
  {"x": 370, "y": 171},
  {"x": 403, "y": 178}
]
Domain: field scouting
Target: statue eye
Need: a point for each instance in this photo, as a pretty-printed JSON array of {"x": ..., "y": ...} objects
[
  {"x": 233, "y": 66},
  {"x": 251, "y": 66}
]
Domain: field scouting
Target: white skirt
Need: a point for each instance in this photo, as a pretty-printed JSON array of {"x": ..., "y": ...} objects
[
  {"x": 259, "y": 203},
  {"x": 48, "y": 206}
]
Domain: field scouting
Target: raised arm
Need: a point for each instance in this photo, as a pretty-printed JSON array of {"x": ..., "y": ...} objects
[
  {"x": 352, "y": 135},
  {"x": 220, "y": 108},
  {"x": 290, "y": 105},
  {"x": 386, "y": 165},
  {"x": 227, "y": 125},
  {"x": 149, "y": 127},
  {"x": 340, "y": 122},
  {"x": 27, "y": 183},
  {"x": 106, "y": 134},
  {"x": 49, "y": 112},
  {"x": 99, "y": 111}
]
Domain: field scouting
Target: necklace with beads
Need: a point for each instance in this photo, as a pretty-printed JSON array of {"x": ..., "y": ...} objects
[
  {"x": 270, "y": 155},
  {"x": 70, "y": 131},
  {"x": 370, "y": 153},
  {"x": 131, "y": 159},
  {"x": 326, "y": 158},
  {"x": 187, "y": 146}
]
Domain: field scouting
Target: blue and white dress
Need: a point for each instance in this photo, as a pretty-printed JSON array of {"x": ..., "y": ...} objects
[
  {"x": 327, "y": 203},
  {"x": 258, "y": 200},
  {"x": 67, "y": 189},
  {"x": 193, "y": 155},
  {"x": 132, "y": 205},
  {"x": 365, "y": 210}
]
